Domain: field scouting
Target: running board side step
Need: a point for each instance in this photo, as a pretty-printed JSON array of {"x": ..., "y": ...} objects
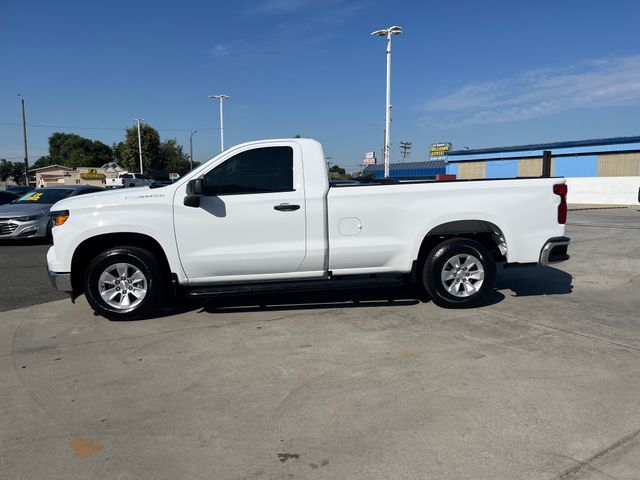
[{"x": 204, "y": 291}]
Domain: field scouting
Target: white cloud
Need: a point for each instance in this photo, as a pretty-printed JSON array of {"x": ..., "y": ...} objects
[
  {"x": 334, "y": 8},
  {"x": 282, "y": 6},
  {"x": 220, "y": 50},
  {"x": 609, "y": 82}
]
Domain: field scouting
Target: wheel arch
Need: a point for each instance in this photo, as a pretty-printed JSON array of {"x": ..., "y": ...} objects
[
  {"x": 482, "y": 231},
  {"x": 90, "y": 247}
]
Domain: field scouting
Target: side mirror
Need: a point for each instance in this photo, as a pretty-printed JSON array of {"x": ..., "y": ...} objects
[{"x": 195, "y": 189}]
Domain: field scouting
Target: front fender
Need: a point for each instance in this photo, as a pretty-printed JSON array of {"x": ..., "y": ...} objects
[{"x": 155, "y": 221}]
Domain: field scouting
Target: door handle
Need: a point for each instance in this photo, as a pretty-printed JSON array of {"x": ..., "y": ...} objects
[{"x": 286, "y": 207}]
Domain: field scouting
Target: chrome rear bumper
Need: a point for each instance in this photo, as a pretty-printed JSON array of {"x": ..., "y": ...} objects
[{"x": 555, "y": 250}]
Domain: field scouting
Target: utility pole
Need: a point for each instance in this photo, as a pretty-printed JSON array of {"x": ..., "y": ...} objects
[
  {"x": 221, "y": 98},
  {"x": 405, "y": 148},
  {"x": 328, "y": 160},
  {"x": 193, "y": 132},
  {"x": 24, "y": 136},
  {"x": 389, "y": 32},
  {"x": 140, "y": 142}
]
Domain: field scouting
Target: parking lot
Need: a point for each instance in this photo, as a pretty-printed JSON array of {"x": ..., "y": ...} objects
[{"x": 542, "y": 383}]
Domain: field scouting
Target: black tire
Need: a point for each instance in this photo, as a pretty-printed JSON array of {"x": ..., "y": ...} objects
[
  {"x": 437, "y": 262},
  {"x": 132, "y": 185},
  {"x": 145, "y": 262},
  {"x": 49, "y": 234}
]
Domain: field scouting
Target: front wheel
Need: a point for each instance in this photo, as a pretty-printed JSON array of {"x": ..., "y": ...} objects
[
  {"x": 123, "y": 283},
  {"x": 458, "y": 273}
]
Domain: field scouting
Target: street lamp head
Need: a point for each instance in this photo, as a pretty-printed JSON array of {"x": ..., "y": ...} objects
[
  {"x": 218, "y": 97},
  {"x": 395, "y": 30}
]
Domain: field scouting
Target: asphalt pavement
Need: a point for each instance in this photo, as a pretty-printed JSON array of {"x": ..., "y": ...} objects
[
  {"x": 24, "y": 281},
  {"x": 541, "y": 383}
]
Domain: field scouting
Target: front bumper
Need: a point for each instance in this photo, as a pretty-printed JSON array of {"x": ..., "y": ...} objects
[
  {"x": 15, "y": 230},
  {"x": 61, "y": 281},
  {"x": 555, "y": 250}
]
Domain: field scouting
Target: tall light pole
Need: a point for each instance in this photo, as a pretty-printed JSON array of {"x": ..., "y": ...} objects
[
  {"x": 140, "y": 142},
  {"x": 221, "y": 98},
  {"x": 193, "y": 132},
  {"x": 389, "y": 32},
  {"x": 24, "y": 137}
]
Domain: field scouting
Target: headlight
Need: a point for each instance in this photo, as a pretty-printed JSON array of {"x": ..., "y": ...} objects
[
  {"x": 58, "y": 218},
  {"x": 28, "y": 218}
]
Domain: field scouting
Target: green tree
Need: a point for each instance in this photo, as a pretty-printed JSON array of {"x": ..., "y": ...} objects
[
  {"x": 174, "y": 160},
  {"x": 72, "y": 150},
  {"x": 14, "y": 170},
  {"x": 151, "y": 159},
  {"x": 337, "y": 170},
  {"x": 42, "y": 162},
  {"x": 5, "y": 170},
  {"x": 118, "y": 149}
]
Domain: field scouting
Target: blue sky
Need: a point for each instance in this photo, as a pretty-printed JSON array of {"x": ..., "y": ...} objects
[{"x": 478, "y": 74}]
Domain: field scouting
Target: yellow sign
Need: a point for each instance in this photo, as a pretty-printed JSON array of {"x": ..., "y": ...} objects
[
  {"x": 35, "y": 197},
  {"x": 92, "y": 174},
  {"x": 437, "y": 151}
]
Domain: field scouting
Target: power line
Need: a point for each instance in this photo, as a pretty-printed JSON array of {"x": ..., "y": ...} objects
[{"x": 8, "y": 124}]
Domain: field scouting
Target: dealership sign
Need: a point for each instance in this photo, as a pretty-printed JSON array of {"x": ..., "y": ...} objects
[
  {"x": 369, "y": 158},
  {"x": 92, "y": 174},
  {"x": 438, "y": 151}
]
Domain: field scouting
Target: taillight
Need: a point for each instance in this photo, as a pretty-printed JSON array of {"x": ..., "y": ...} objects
[{"x": 561, "y": 190}]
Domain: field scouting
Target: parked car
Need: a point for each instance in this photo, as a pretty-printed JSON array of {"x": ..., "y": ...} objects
[
  {"x": 28, "y": 216},
  {"x": 124, "y": 180},
  {"x": 262, "y": 217},
  {"x": 19, "y": 189},
  {"x": 6, "y": 197}
]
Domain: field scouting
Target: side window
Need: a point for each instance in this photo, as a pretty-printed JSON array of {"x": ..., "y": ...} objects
[
  {"x": 126, "y": 175},
  {"x": 261, "y": 170}
]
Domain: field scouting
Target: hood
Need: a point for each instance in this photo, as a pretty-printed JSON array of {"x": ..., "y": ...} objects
[
  {"x": 119, "y": 197},
  {"x": 23, "y": 209}
]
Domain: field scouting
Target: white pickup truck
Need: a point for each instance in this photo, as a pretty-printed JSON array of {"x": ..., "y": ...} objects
[
  {"x": 124, "y": 180},
  {"x": 261, "y": 216}
]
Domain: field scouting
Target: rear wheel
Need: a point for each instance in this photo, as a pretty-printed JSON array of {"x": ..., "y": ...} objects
[
  {"x": 123, "y": 283},
  {"x": 458, "y": 273}
]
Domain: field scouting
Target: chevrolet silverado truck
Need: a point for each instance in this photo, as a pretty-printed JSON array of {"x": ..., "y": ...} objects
[
  {"x": 124, "y": 180},
  {"x": 262, "y": 217}
]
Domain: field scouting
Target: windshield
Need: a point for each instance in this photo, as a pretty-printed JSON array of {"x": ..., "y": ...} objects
[{"x": 44, "y": 195}]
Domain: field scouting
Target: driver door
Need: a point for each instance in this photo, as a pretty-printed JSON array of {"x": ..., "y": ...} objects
[{"x": 251, "y": 221}]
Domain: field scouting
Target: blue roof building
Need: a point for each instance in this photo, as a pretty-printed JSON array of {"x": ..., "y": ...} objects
[
  {"x": 604, "y": 157},
  {"x": 425, "y": 170}
]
